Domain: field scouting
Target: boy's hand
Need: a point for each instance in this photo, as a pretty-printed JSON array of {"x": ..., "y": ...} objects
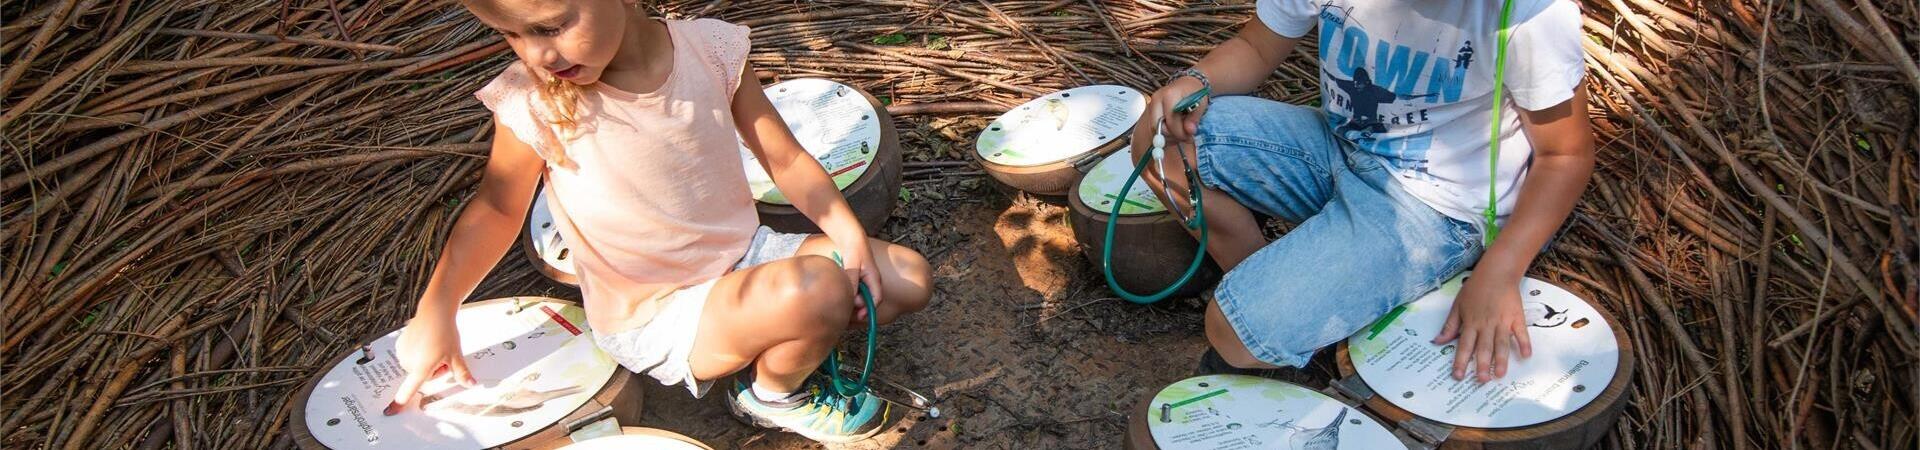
[
  {"x": 858, "y": 263},
  {"x": 427, "y": 348},
  {"x": 1486, "y": 316},
  {"x": 1180, "y": 126}
]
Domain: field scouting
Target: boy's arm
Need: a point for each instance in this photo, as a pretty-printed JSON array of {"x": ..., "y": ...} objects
[
  {"x": 801, "y": 178},
  {"x": 1241, "y": 64},
  {"x": 1238, "y": 66},
  {"x": 1488, "y": 312}
]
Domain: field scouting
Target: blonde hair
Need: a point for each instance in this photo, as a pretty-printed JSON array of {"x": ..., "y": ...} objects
[{"x": 562, "y": 101}]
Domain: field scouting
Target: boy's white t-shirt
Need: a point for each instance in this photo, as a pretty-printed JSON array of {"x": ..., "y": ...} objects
[{"x": 1423, "y": 71}]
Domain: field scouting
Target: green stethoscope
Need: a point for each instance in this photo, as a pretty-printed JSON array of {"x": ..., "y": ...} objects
[
  {"x": 1198, "y": 222},
  {"x": 840, "y": 385}
]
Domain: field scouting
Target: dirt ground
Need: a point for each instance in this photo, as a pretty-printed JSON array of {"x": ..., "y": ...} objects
[{"x": 1022, "y": 347}]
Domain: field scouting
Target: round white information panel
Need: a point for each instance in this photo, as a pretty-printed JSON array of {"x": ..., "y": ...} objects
[
  {"x": 1099, "y": 186},
  {"x": 545, "y": 235},
  {"x": 634, "y": 441},
  {"x": 1222, "y": 412},
  {"x": 1574, "y": 357},
  {"x": 1061, "y": 125},
  {"x": 535, "y": 361},
  {"x": 832, "y": 121}
]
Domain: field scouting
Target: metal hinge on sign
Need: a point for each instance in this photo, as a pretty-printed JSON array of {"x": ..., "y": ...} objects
[
  {"x": 1417, "y": 433},
  {"x": 1426, "y": 431},
  {"x": 599, "y": 424},
  {"x": 1085, "y": 163},
  {"x": 1411, "y": 443},
  {"x": 1353, "y": 388}
]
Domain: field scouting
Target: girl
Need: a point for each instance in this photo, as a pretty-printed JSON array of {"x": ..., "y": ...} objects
[
  {"x": 634, "y": 123},
  {"x": 1389, "y": 179}
]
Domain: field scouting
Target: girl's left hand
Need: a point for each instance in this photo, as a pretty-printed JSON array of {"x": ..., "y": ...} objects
[{"x": 858, "y": 262}]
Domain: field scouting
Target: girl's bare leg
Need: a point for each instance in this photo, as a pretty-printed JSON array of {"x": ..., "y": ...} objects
[
  {"x": 905, "y": 278},
  {"x": 787, "y": 315},
  {"x": 784, "y": 317}
]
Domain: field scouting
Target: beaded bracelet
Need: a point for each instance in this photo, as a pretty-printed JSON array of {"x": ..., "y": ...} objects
[{"x": 1196, "y": 74}]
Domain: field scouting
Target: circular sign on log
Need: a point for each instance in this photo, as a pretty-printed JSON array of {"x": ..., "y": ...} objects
[
  {"x": 545, "y": 248},
  {"x": 849, "y": 133},
  {"x": 1243, "y": 412},
  {"x": 637, "y": 438},
  {"x": 537, "y": 367},
  {"x": 1034, "y": 146},
  {"x": 1567, "y": 395}
]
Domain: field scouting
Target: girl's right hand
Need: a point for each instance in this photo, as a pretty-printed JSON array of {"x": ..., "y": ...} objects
[{"x": 427, "y": 348}]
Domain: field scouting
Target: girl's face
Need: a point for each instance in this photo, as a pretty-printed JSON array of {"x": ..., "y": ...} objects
[{"x": 572, "y": 40}]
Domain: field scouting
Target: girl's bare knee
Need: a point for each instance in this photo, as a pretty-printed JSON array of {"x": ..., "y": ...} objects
[
  {"x": 813, "y": 287},
  {"x": 917, "y": 273}
]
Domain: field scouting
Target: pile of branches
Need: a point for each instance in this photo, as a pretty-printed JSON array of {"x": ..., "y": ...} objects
[
  {"x": 1755, "y": 217},
  {"x": 204, "y": 202}
]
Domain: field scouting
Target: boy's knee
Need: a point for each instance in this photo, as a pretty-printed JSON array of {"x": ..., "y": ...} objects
[
  {"x": 1228, "y": 110},
  {"x": 1244, "y": 115},
  {"x": 1228, "y": 345},
  {"x": 1226, "y": 342}
]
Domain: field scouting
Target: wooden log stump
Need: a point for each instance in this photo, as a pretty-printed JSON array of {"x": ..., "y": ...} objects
[{"x": 1153, "y": 248}]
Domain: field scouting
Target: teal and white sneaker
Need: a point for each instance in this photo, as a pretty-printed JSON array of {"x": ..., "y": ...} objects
[{"x": 815, "y": 413}]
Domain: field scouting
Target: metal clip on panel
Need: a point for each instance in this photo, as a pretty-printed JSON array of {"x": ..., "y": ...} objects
[
  {"x": 1353, "y": 388},
  {"x": 599, "y": 424},
  {"x": 1417, "y": 433},
  {"x": 1426, "y": 431}
]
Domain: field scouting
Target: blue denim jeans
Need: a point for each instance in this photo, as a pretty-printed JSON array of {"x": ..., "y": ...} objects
[{"x": 1361, "y": 247}]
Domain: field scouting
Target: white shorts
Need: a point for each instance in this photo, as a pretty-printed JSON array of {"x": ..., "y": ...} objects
[{"x": 661, "y": 347}]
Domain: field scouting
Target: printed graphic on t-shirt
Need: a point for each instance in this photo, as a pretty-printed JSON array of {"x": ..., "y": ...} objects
[
  {"x": 1410, "y": 82},
  {"x": 1381, "y": 88}
]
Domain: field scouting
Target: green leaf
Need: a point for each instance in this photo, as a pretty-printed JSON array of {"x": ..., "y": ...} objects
[
  {"x": 1862, "y": 143},
  {"x": 890, "y": 39},
  {"x": 93, "y": 315},
  {"x": 937, "y": 42},
  {"x": 1796, "y": 240},
  {"x": 906, "y": 196},
  {"x": 59, "y": 267}
]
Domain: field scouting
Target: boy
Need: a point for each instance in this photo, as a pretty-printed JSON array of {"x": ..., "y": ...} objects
[{"x": 1393, "y": 182}]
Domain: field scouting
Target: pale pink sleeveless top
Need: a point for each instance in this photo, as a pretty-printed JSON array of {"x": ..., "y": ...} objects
[{"x": 650, "y": 194}]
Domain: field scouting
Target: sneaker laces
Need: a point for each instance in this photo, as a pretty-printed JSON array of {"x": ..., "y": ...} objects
[{"x": 827, "y": 398}]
